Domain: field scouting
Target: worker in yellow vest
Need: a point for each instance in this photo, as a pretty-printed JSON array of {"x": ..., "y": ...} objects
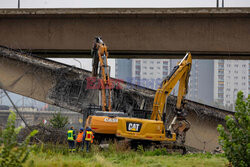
[
  {"x": 88, "y": 138},
  {"x": 79, "y": 140},
  {"x": 71, "y": 139}
]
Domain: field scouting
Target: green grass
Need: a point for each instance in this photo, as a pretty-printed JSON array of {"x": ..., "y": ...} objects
[{"x": 59, "y": 158}]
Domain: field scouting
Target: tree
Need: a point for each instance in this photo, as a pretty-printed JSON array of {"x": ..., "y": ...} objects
[
  {"x": 13, "y": 153},
  {"x": 235, "y": 139},
  {"x": 58, "y": 121}
]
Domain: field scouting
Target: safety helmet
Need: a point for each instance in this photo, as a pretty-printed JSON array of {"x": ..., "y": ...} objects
[{"x": 81, "y": 129}]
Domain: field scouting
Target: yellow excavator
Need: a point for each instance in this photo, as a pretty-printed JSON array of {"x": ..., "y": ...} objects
[
  {"x": 103, "y": 123},
  {"x": 156, "y": 128}
]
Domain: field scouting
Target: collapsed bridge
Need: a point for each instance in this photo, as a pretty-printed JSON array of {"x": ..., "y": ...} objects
[{"x": 66, "y": 86}]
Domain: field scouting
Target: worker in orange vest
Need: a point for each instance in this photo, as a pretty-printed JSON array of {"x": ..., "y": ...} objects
[
  {"x": 79, "y": 140},
  {"x": 88, "y": 138}
]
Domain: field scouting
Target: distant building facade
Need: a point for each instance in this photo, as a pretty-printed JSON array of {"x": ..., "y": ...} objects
[
  {"x": 201, "y": 81},
  {"x": 231, "y": 76},
  {"x": 150, "y": 72},
  {"x": 123, "y": 69},
  {"x": 145, "y": 72}
]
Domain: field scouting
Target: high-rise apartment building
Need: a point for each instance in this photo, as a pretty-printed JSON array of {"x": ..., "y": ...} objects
[
  {"x": 145, "y": 72},
  {"x": 231, "y": 76},
  {"x": 150, "y": 73}
]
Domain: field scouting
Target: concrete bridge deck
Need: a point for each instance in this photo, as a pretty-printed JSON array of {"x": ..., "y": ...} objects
[{"x": 209, "y": 33}]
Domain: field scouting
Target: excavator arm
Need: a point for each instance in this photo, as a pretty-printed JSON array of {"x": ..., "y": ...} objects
[
  {"x": 100, "y": 56},
  {"x": 179, "y": 73}
]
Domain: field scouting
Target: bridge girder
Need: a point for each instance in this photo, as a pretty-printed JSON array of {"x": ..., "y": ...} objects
[{"x": 220, "y": 33}]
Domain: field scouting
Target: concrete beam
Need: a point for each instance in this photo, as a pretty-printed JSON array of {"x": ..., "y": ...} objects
[
  {"x": 129, "y": 33},
  {"x": 55, "y": 83}
]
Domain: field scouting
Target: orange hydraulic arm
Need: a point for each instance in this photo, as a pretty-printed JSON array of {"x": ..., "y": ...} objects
[
  {"x": 100, "y": 56},
  {"x": 179, "y": 73}
]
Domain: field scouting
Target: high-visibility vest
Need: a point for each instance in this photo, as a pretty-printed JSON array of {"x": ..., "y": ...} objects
[
  {"x": 88, "y": 136},
  {"x": 79, "y": 137},
  {"x": 70, "y": 135}
]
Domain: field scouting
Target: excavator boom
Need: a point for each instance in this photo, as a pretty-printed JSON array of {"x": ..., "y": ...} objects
[
  {"x": 100, "y": 56},
  {"x": 179, "y": 73}
]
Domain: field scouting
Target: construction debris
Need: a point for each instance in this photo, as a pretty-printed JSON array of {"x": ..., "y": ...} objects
[{"x": 45, "y": 134}]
